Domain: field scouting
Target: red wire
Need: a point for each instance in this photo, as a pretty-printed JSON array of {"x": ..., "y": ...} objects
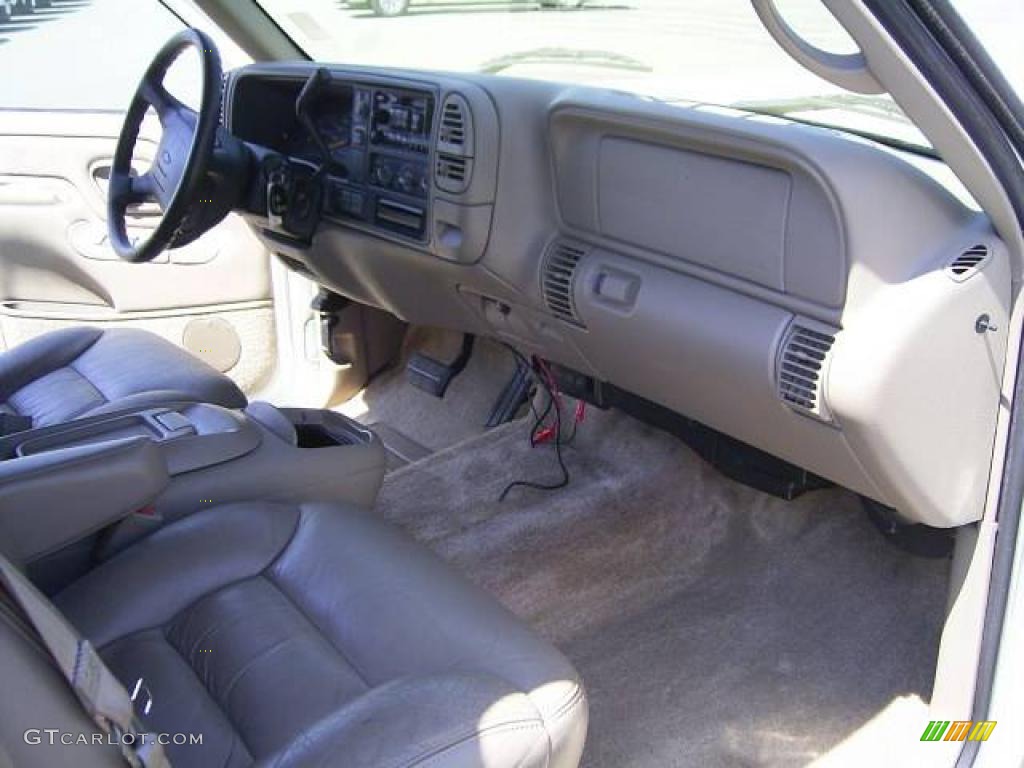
[{"x": 544, "y": 434}]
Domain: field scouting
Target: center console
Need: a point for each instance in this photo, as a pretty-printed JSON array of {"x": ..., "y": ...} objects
[
  {"x": 191, "y": 436},
  {"x": 76, "y": 493}
]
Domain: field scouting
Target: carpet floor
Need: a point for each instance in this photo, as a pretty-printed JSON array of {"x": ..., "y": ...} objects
[
  {"x": 712, "y": 624},
  {"x": 432, "y": 423}
]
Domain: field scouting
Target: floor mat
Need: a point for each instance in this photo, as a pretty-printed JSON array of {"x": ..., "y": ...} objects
[
  {"x": 713, "y": 625},
  {"x": 414, "y": 417}
]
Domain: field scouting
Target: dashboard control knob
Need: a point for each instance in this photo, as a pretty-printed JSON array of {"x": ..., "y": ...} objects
[
  {"x": 407, "y": 179},
  {"x": 383, "y": 175}
]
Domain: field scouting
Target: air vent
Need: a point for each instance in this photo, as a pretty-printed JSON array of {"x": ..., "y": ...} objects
[
  {"x": 453, "y": 167},
  {"x": 453, "y": 121},
  {"x": 803, "y": 364},
  {"x": 558, "y": 280},
  {"x": 452, "y": 173},
  {"x": 968, "y": 263},
  {"x": 455, "y": 135}
]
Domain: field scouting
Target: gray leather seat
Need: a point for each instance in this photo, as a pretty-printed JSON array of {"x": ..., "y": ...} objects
[
  {"x": 309, "y": 635},
  {"x": 85, "y": 371}
]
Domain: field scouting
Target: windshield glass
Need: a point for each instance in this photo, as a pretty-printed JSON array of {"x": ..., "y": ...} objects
[
  {"x": 704, "y": 51},
  {"x": 708, "y": 51}
]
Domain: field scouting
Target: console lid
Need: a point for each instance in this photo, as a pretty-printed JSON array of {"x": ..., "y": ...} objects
[{"x": 52, "y": 499}]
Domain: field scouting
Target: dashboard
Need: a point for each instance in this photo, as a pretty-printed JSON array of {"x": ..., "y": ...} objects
[{"x": 780, "y": 283}]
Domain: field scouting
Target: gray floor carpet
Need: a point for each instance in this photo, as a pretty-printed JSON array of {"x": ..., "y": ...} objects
[{"x": 712, "y": 624}]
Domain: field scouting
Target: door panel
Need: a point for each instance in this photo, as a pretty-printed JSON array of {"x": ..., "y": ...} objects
[{"x": 57, "y": 267}]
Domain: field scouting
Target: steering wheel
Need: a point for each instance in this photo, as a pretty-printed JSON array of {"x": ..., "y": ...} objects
[{"x": 176, "y": 179}]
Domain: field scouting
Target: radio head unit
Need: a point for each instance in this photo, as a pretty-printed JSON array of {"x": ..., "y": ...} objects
[{"x": 402, "y": 120}]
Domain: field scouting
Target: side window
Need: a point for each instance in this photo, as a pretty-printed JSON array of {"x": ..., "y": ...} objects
[{"x": 79, "y": 54}]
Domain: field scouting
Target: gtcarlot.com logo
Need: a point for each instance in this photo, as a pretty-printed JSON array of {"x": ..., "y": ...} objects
[
  {"x": 958, "y": 730},
  {"x": 53, "y": 736}
]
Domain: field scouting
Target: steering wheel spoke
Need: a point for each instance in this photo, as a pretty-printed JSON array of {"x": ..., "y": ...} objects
[{"x": 158, "y": 97}]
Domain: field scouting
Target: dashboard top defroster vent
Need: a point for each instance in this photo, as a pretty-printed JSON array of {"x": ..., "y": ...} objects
[
  {"x": 558, "y": 279},
  {"x": 803, "y": 366},
  {"x": 968, "y": 263}
]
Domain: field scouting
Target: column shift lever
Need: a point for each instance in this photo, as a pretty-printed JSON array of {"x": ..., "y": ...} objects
[{"x": 303, "y": 111}]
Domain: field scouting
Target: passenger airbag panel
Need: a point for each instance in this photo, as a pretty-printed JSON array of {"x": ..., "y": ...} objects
[
  {"x": 763, "y": 216},
  {"x": 721, "y": 213}
]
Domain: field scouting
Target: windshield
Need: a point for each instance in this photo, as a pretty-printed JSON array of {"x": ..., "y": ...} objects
[{"x": 706, "y": 51}]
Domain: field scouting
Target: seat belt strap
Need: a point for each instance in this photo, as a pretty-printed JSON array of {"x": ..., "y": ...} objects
[{"x": 101, "y": 694}]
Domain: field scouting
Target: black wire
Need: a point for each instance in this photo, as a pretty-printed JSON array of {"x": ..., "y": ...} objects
[{"x": 540, "y": 418}]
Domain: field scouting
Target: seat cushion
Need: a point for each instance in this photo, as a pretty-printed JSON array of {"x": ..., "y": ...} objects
[
  {"x": 85, "y": 371},
  {"x": 290, "y": 635}
]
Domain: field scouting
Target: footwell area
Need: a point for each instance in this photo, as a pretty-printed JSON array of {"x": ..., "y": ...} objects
[
  {"x": 712, "y": 624},
  {"x": 413, "y": 423}
]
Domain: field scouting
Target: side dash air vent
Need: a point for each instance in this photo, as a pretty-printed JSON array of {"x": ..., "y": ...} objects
[
  {"x": 802, "y": 367},
  {"x": 453, "y": 166},
  {"x": 558, "y": 280},
  {"x": 968, "y": 263}
]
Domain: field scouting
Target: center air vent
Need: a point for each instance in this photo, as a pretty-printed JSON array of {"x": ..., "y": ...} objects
[
  {"x": 802, "y": 367},
  {"x": 968, "y": 263},
  {"x": 452, "y": 172},
  {"x": 456, "y": 133},
  {"x": 559, "y": 278},
  {"x": 453, "y": 166}
]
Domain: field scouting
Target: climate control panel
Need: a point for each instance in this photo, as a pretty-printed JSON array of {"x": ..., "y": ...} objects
[{"x": 407, "y": 176}]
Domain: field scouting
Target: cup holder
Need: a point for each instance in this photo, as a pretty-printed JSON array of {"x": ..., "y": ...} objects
[
  {"x": 316, "y": 428},
  {"x": 318, "y": 436}
]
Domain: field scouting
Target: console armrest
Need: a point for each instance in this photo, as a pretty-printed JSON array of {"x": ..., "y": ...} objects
[{"x": 52, "y": 499}]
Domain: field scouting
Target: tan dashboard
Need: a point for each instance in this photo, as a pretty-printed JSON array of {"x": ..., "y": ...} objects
[{"x": 780, "y": 283}]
